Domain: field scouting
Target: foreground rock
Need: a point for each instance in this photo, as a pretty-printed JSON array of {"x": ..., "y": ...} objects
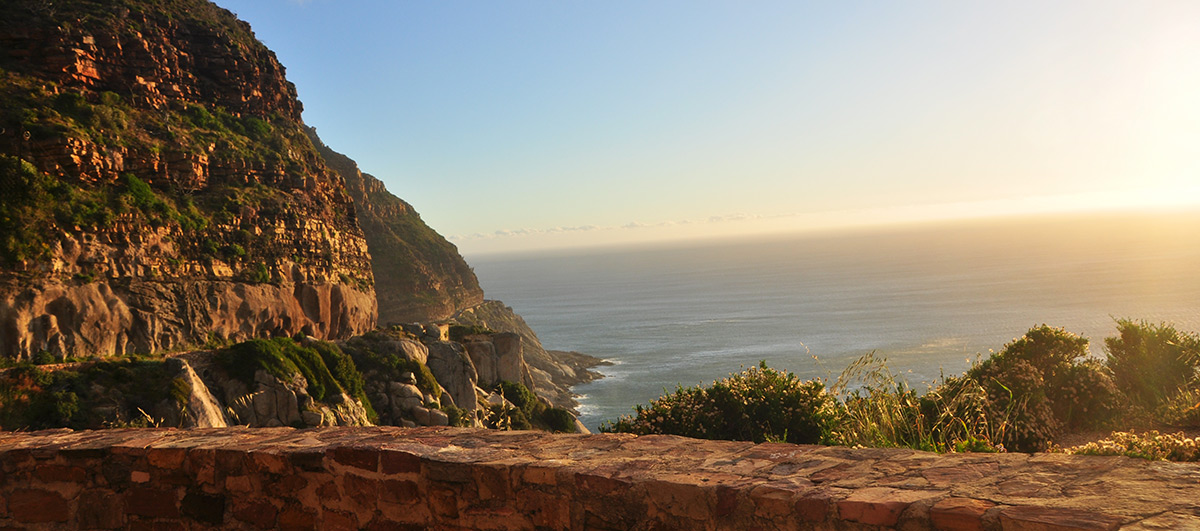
[{"x": 351, "y": 478}]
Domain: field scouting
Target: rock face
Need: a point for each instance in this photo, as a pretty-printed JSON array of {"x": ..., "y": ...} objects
[
  {"x": 201, "y": 410},
  {"x": 158, "y": 189},
  {"x": 419, "y": 276},
  {"x": 552, "y": 372},
  {"x": 498, "y": 357},
  {"x": 453, "y": 368},
  {"x": 174, "y": 51},
  {"x": 130, "y": 315}
]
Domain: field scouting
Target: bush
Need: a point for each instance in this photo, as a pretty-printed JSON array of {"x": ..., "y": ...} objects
[
  {"x": 1182, "y": 409},
  {"x": 758, "y": 404},
  {"x": 1151, "y": 363},
  {"x": 458, "y": 332},
  {"x": 1042, "y": 383},
  {"x": 91, "y": 397},
  {"x": 520, "y": 396},
  {"x": 458, "y": 417},
  {"x": 559, "y": 420}
]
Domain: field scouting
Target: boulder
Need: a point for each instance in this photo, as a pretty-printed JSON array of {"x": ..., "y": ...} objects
[{"x": 453, "y": 368}]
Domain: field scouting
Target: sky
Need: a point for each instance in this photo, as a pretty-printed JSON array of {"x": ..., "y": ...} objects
[{"x": 536, "y": 124}]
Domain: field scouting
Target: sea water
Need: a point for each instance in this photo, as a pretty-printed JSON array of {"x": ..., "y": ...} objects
[{"x": 931, "y": 299}]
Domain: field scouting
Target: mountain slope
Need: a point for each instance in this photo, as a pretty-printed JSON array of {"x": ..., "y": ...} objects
[
  {"x": 419, "y": 276},
  {"x": 157, "y": 189}
]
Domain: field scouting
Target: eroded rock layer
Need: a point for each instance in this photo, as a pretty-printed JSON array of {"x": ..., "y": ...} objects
[{"x": 157, "y": 189}]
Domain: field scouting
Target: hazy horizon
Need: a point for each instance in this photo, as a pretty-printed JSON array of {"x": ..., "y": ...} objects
[{"x": 1188, "y": 215}]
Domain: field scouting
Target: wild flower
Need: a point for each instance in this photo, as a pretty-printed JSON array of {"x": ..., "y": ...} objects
[{"x": 1150, "y": 445}]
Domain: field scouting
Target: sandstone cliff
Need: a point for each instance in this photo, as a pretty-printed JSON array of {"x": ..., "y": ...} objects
[
  {"x": 419, "y": 276},
  {"x": 157, "y": 189}
]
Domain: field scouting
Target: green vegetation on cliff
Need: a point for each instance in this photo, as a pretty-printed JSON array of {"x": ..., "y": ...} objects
[
  {"x": 94, "y": 395},
  {"x": 324, "y": 366},
  {"x": 167, "y": 114}
]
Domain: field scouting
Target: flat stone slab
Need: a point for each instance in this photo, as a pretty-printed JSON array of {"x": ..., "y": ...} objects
[{"x": 385, "y": 477}]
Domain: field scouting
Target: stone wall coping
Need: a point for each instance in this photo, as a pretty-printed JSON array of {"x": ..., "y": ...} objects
[{"x": 485, "y": 479}]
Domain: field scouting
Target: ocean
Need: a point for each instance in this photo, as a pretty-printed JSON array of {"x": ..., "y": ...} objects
[{"x": 931, "y": 299}]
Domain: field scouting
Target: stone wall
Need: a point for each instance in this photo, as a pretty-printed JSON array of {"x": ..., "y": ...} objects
[{"x": 445, "y": 478}]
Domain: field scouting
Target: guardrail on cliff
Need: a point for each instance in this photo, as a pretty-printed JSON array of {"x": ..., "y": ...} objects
[{"x": 387, "y": 478}]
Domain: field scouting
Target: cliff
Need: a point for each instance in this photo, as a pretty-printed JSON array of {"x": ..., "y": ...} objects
[
  {"x": 157, "y": 188},
  {"x": 419, "y": 276},
  {"x": 553, "y": 372}
]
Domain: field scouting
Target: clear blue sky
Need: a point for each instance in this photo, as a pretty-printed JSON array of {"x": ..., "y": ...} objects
[{"x": 570, "y": 123}]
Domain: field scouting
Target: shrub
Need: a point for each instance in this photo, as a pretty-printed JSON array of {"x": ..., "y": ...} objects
[
  {"x": 757, "y": 404},
  {"x": 91, "y": 397},
  {"x": 559, "y": 420},
  {"x": 458, "y": 332},
  {"x": 1151, "y": 363},
  {"x": 1182, "y": 409},
  {"x": 1040, "y": 384},
  {"x": 257, "y": 274},
  {"x": 519, "y": 395},
  {"x": 527, "y": 412},
  {"x": 458, "y": 417}
]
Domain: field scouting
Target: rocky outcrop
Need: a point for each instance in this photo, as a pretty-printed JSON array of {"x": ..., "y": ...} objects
[
  {"x": 552, "y": 374},
  {"x": 272, "y": 401},
  {"x": 498, "y": 358},
  {"x": 392, "y": 385},
  {"x": 401, "y": 403},
  {"x": 158, "y": 150},
  {"x": 275, "y": 402},
  {"x": 453, "y": 368},
  {"x": 184, "y": 50},
  {"x": 200, "y": 409},
  {"x": 130, "y": 315},
  {"x": 419, "y": 276}
]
